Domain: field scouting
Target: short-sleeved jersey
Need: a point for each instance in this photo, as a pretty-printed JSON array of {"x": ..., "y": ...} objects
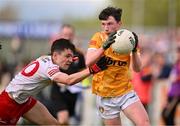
[
  {"x": 35, "y": 76},
  {"x": 115, "y": 80}
]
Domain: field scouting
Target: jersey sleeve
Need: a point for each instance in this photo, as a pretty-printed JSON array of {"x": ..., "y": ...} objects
[
  {"x": 52, "y": 72},
  {"x": 96, "y": 41},
  {"x": 48, "y": 69}
]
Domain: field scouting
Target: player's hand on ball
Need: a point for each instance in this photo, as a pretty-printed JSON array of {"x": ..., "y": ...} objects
[
  {"x": 99, "y": 66},
  {"x": 136, "y": 42},
  {"x": 109, "y": 41}
]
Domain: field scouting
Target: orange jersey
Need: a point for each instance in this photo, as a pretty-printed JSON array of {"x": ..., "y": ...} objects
[{"x": 115, "y": 80}]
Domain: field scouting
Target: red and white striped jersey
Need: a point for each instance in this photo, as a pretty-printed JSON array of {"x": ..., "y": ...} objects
[{"x": 35, "y": 76}]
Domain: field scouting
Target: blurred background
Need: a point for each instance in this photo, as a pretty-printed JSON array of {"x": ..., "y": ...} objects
[{"x": 27, "y": 26}]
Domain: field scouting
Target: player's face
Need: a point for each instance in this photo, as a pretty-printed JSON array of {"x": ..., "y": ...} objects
[
  {"x": 110, "y": 25},
  {"x": 67, "y": 33},
  {"x": 64, "y": 58}
]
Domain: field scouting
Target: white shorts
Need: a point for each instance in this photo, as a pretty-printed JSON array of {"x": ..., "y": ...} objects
[{"x": 109, "y": 108}]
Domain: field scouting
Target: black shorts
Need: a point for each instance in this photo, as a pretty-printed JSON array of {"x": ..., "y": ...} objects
[{"x": 62, "y": 101}]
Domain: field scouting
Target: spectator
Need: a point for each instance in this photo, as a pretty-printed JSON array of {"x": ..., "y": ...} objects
[
  {"x": 161, "y": 69},
  {"x": 168, "y": 113}
]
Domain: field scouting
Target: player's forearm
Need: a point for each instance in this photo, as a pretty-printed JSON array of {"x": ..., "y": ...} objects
[
  {"x": 63, "y": 78},
  {"x": 77, "y": 77},
  {"x": 93, "y": 56},
  {"x": 136, "y": 65}
]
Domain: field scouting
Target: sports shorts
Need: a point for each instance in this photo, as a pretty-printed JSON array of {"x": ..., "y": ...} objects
[
  {"x": 109, "y": 108},
  {"x": 11, "y": 111}
]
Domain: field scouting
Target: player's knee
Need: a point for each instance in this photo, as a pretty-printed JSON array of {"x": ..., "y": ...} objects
[
  {"x": 49, "y": 122},
  {"x": 143, "y": 122},
  {"x": 63, "y": 117},
  {"x": 63, "y": 122}
]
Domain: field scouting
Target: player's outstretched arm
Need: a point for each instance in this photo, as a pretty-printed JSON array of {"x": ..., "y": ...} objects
[
  {"x": 64, "y": 78},
  {"x": 79, "y": 76}
]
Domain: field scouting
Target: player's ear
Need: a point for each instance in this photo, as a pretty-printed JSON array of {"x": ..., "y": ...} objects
[
  {"x": 120, "y": 23},
  {"x": 54, "y": 55}
]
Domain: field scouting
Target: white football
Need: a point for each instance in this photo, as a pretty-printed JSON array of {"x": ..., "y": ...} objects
[{"x": 124, "y": 42}]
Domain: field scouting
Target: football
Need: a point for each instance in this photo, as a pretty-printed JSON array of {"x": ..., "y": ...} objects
[{"x": 124, "y": 42}]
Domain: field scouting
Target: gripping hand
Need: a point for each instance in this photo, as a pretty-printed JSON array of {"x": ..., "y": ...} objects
[
  {"x": 109, "y": 41},
  {"x": 99, "y": 66},
  {"x": 136, "y": 42}
]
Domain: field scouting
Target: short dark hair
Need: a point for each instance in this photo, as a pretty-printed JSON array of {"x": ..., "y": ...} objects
[
  {"x": 111, "y": 11},
  {"x": 61, "y": 44}
]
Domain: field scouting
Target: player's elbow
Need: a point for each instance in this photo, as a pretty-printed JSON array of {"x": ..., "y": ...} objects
[{"x": 137, "y": 69}]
